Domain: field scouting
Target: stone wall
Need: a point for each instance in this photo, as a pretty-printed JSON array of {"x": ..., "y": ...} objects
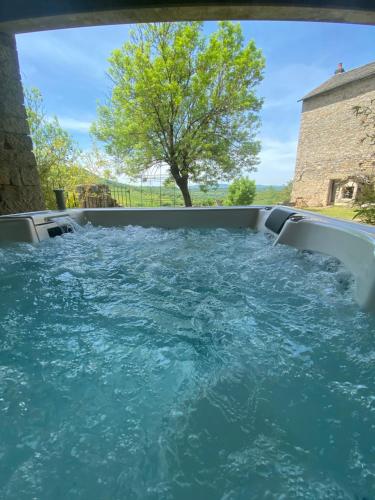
[
  {"x": 19, "y": 181},
  {"x": 330, "y": 146},
  {"x": 95, "y": 196}
]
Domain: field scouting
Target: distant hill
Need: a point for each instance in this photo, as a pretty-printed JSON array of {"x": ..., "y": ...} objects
[
  {"x": 260, "y": 187},
  {"x": 265, "y": 187},
  {"x": 154, "y": 195},
  {"x": 194, "y": 187}
]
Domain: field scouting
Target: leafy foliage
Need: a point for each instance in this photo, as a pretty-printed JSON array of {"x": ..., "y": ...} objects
[
  {"x": 98, "y": 164},
  {"x": 241, "y": 192},
  {"x": 55, "y": 152},
  {"x": 184, "y": 100},
  {"x": 365, "y": 202},
  {"x": 366, "y": 114},
  {"x": 60, "y": 162},
  {"x": 274, "y": 195},
  {"x": 286, "y": 193}
]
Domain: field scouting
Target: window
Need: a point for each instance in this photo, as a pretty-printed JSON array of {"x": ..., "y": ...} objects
[{"x": 348, "y": 192}]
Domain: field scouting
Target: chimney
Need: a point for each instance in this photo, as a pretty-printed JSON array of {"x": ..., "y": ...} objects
[{"x": 339, "y": 69}]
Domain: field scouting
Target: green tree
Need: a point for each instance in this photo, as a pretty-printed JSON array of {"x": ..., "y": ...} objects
[
  {"x": 365, "y": 202},
  {"x": 98, "y": 164},
  {"x": 184, "y": 100},
  {"x": 55, "y": 151},
  {"x": 60, "y": 162},
  {"x": 366, "y": 114},
  {"x": 286, "y": 193},
  {"x": 241, "y": 192}
]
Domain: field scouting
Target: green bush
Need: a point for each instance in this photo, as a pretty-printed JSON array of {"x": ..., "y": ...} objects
[
  {"x": 365, "y": 202},
  {"x": 209, "y": 202},
  {"x": 241, "y": 192}
]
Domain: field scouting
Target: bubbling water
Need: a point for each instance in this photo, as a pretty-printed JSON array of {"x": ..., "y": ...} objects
[
  {"x": 177, "y": 364},
  {"x": 67, "y": 223}
]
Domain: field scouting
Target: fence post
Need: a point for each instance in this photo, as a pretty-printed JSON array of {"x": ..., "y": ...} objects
[{"x": 60, "y": 199}]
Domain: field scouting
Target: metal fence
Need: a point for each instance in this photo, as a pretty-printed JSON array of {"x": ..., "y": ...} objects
[
  {"x": 152, "y": 190},
  {"x": 115, "y": 195}
]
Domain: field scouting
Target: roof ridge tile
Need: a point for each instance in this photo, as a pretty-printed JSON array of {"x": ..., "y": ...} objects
[{"x": 341, "y": 79}]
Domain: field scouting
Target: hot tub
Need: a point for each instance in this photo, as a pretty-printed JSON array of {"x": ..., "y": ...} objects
[
  {"x": 352, "y": 243},
  {"x": 178, "y": 354}
]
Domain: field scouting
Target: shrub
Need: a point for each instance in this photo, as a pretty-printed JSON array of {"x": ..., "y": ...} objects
[
  {"x": 241, "y": 192},
  {"x": 365, "y": 202},
  {"x": 286, "y": 193},
  {"x": 208, "y": 202}
]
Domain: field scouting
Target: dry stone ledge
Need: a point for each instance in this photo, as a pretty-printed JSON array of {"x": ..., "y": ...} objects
[{"x": 95, "y": 196}]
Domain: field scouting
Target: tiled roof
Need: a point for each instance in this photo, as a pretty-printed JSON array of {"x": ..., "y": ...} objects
[{"x": 342, "y": 79}]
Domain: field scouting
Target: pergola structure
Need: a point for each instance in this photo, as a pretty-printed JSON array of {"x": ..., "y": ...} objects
[{"x": 19, "y": 182}]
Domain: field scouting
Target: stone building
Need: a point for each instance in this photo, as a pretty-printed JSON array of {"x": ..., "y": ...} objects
[{"x": 332, "y": 157}]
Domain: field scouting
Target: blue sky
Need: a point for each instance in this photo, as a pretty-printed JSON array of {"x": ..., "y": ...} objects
[{"x": 69, "y": 67}]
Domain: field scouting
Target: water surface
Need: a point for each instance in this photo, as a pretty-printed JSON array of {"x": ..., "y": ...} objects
[{"x": 184, "y": 364}]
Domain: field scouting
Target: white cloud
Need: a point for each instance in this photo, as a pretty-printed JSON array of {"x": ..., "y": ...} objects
[
  {"x": 278, "y": 102},
  {"x": 283, "y": 88},
  {"x": 74, "y": 125},
  {"x": 55, "y": 48},
  {"x": 277, "y": 161}
]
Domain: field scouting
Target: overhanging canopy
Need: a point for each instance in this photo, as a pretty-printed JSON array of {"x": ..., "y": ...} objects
[{"x": 19, "y": 16}]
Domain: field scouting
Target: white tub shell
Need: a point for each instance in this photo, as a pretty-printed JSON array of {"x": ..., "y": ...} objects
[{"x": 351, "y": 243}]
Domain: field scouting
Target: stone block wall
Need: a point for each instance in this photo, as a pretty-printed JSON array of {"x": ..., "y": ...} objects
[
  {"x": 19, "y": 180},
  {"x": 330, "y": 146},
  {"x": 95, "y": 196}
]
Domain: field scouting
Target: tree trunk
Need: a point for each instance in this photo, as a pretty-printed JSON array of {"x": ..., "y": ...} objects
[{"x": 182, "y": 183}]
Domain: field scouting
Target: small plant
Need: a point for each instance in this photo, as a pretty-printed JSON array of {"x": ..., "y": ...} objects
[
  {"x": 286, "y": 193},
  {"x": 241, "y": 192},
  {"x": 365, "y": 202},
  {"x": 209, "y": 202}
]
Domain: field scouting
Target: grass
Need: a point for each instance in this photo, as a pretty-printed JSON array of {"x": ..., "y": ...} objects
[
  {"x": 155, "y": 196},
  {"x": 128, "y": 195},
  {"x": 165, "y": 196},
  {"x": 346, "y": 213},
  {"x": 152, "y": 196},
  {"x": 269, "y": 196}
]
